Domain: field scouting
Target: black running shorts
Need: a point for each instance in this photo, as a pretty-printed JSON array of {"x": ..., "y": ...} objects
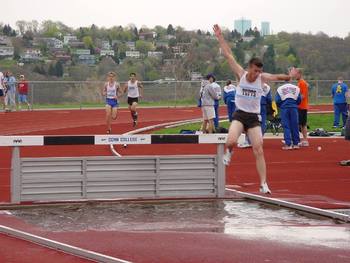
[
  {"x": 132, "y": 100},
  {"x": 302, "y": 117},
  {"x": 249, "y": 120}
]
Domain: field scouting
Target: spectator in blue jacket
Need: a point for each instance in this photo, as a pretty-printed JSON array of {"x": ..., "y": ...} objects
[
  {"x": 287, "y": 99},
  {"x": 339, "y": 93},
  {"x": 10, "y": 98},
  {"x": 266, "y": 99},
  {"x": 229, "y": 99}
]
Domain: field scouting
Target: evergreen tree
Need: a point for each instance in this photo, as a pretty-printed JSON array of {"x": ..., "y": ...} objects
[
  {"x": 269, "y": 60},
  {"x": 52, "y": 70},
  {"x": 59, "y": 69},
  {"x": 170, "y": 30}
]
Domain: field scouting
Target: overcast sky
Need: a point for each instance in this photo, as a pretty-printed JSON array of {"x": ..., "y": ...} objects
[{"x": 329, "y": 16}]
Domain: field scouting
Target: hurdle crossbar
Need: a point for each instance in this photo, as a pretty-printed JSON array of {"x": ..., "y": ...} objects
[{"x": 42, "y": 140}]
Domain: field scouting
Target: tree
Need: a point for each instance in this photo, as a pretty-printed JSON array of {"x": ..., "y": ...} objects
[
  {"x": 88, "y": 42},
  {"x": 8, "y": 31},
  {"x": 52, "y": 70},
  {"x": 144, "y": 46},
  {"x": 170, "y": 30},
  {"x": 39, "y": 69},
  {"x": 239, "y": 54},
  {"x": 21, "y": 24},
  {"x": 269, "y": 60},
  {"x": 59, "y": 69},
  {"x": 50, "y": 28}
]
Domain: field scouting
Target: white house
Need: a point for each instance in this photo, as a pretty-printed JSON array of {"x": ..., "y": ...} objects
[
  {"x": 105, "y": 45},
  {"x": 248, "y": 39},
  {"x": 130, "y": 45},
  {"x": 31, "y": 55},
  {"x": 132, "y": 54},
  {"x": 155, "y": 54},
  {"x": 6, "y": 51},
  {"x": 87, "y": 59},
  {"x": 67, "y": 39},
  {"x": 81, "y": 52},
  {"x": 106, "y": 52},
  {"x": 196, "y": 76}
]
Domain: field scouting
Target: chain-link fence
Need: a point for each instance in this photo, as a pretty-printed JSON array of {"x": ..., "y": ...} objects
[{"x": 158, "y": 93}]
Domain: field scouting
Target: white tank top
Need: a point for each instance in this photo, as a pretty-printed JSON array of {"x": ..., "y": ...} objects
[
  {"x": 133, "y": 90},
  {"x": 248, "y": 94},
  {"x": 111, "y": 90}
]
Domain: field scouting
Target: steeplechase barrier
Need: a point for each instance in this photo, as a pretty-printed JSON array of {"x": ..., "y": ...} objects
[{"x": 110, "y": 177}]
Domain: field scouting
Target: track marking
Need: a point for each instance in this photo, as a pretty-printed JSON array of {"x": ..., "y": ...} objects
[
  {"x": 295, "y": 206},
  {"x": 75, "y": 251}
]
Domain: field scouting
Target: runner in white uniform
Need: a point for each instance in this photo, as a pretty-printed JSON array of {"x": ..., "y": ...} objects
[
  {"x": 248, "y": 95},
  {"x": 111, "y": 90},
  {"x": 2, "y": 91},
  {"x": 135, "y": 91}
]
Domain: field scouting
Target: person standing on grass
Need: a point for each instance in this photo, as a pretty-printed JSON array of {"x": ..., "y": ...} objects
[
  {"x": 23, "y": 88},
  {"x": 266, "y": 100},
  {"x": 111, "y": 90},
  {"x": 247, "y": 115},
  {"x": 339, "y": 91},
  {"x": 10, "y": 98},
  {"x": 217, "y": 88},
  {"x": 303, "y": 106},
  {"x": 207, "y": 97},
  {"x": 2, "y": 91},
  {"x": 229, "y": 99},
  {"x": 135, "y": 91},
  {"x": 287, "y": 99}
]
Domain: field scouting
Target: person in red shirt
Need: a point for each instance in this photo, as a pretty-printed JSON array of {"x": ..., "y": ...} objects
[
  {"x": 23, "y": 92},
  {"x": 303, "y": 107}
]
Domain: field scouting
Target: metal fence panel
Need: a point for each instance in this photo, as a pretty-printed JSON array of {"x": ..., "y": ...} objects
[
  {"x": 47, "y": 179},
  {"x": 156, "y": 93}
]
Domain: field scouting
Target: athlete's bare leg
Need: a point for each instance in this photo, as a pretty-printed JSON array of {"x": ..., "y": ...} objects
[
  {"x": 210, "y": 126},
  {"x": 133, "y": 112},
  {"x": 235, "y": 130},
  {"x": 204, "y": 126},
  {"x": 114, "y": 113},
  {"x": 109, "y": 117},
  {"x": 304, "y": 132},
  {"x": 256, "y": 139}
]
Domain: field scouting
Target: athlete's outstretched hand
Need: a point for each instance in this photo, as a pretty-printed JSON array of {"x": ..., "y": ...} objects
[
  {"x": 217, "y": 30},
  {"x": 293, "y": 72}
]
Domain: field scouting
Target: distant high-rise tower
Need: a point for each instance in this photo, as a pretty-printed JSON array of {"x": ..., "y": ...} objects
[
  {"x": 265, "y": 28},
  {"x": 242, "y": 25}
]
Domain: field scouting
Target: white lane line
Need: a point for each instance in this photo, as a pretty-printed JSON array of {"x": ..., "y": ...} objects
[
  {"x": 76, "y": 251},
  {"x": 295, "y": 206}
]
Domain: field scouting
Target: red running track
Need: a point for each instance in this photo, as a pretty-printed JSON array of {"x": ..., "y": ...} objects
[{"x": 305, "y": 176}]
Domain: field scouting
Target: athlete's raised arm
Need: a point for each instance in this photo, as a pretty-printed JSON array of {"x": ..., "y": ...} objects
[
  {"x": 279, "y": 77},
  {"x": 235, "y": 67}
]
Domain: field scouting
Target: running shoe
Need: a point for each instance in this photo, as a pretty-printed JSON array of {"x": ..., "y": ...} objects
[
  {"x": 296, "y": 147},
  {"x": 287, "y": 147},
  {"x": 244, "y": 145},
  {"x": 109, "y": 131},
  {"x": 304, "y": 144},
  {"x": 227, "y": 157},
  {"x": 134, "y": 123},
  {"x": 264, "y": 189}
]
